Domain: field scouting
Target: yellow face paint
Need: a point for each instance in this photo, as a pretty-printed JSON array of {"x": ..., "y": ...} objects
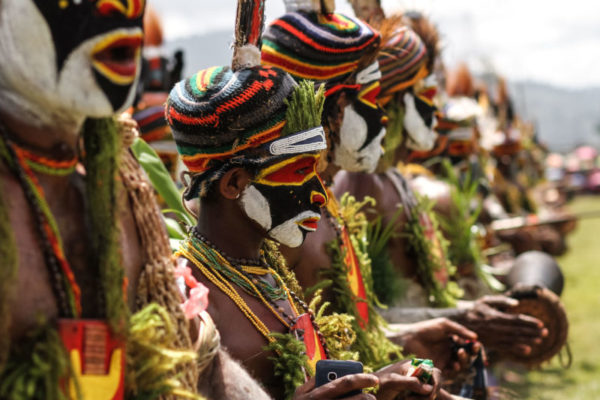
[{"x": 295, "y": 171}]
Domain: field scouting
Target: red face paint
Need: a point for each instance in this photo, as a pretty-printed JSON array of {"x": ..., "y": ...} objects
[{"x": 296, "y": 172}]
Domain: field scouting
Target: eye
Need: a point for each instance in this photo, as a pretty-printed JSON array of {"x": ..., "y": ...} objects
[
  {"x": 304, "y": 171},
  {"x": 295, "y": 171}
]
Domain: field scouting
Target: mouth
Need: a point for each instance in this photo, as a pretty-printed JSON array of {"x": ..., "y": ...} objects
[
  {"x": 310, "y": 224},
  {"x": 116, "y": 57}
]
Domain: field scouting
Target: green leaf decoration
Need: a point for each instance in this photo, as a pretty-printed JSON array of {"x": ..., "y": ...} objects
[{"x": 160, "y": 179}]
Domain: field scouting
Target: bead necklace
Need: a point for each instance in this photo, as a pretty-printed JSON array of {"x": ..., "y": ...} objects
[
  {"x": 235, "y": 261},
  {"x": 46, "y": 165},
  {"x": 64, "y": 286},
  {"x": 221, "y": 272},
  {"x": 271, "y": 292}
]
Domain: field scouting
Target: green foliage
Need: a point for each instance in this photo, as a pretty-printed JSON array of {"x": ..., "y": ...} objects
[
  {"x": 291, "y": 361},
  {"x": 374, "y": 348},
  {"x": 428, "y": 262},
  {"x": 166, "y": 189},
  {"x": 304, "y": 108},
  {"x": 36, "y": 366},
  {"x": 337, "y": 330},
  {"x": 161, "y": 180},
  {"x": 394, "y": 132},
  {"x": 464, "y": 247},
  {"x": 150, "y": 359},
  {"x": 386, "y": 283},
  {"x": 102, "y": 144}
]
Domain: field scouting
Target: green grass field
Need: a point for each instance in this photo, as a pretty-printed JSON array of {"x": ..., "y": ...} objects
[{"x": 581, "y": 297}]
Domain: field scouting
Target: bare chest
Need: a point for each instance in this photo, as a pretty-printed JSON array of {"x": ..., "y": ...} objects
[{"x": 33, "y": 292}]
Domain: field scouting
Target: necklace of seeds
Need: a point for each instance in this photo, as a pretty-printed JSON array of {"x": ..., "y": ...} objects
[
  {"x": 244, "y": 277},
  {"x": 62, "y": 280}
]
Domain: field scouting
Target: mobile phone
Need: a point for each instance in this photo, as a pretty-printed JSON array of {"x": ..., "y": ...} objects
[{"x": 330, "y": 370}]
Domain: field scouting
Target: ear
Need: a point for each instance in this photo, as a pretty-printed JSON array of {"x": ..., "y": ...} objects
[{"x": 233, "y": 183}]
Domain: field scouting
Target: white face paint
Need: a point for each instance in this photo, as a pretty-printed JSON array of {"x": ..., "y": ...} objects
[
  {"x": 353, "y": 134},
  {"x": 420, "y": 136},
  {"x": 289, "y": 233},
  {"x": 256, "y": 207},
  {"x": 31, "y": 88},
  {"x": 362, "y": 125}
]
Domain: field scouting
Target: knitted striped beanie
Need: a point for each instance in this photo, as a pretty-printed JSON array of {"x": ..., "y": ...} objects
[
  {"x": 222, "y": 118},
  {"x": 319, "y": 47},
  {"x": 402, "y": 61}
]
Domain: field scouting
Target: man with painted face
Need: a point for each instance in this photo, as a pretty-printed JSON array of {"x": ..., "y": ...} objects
[
  {"x": 405, "y": 60},
  {"x": 79, "y": 251},
  {"x": 355, "y": 125},
  {"x": 254, "y": 173},
  {"x": 70, "y": 240}
]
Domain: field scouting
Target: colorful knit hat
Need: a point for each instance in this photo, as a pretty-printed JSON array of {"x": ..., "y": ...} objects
[
  {"x": 321, "y": 47},
  {"x": 402, "y": 60},
  {"x": 221, "y": 118}
]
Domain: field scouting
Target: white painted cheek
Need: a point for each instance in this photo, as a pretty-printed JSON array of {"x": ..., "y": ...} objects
[
  {"x": 78, "y": 86},
  {"x": 29, "y": 81},
  {"x": 289, "y": 233},
  {"x": 421, "y": 137},
  {"x": 353, "y": 134},
  {"x": 372, "y": 153},
  {"x": 256, "y": 207},
  {"x": 28, "y": 67}
]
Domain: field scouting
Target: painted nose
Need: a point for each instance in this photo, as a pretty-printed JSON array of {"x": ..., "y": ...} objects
[
  {"x": 318, "y": 198},
  {"x": 131, "y": 9}
]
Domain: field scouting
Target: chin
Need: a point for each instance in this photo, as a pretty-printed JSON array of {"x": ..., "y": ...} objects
[
  {"x": 424, "y": 142},
  {"x": 292, "y": 232}
]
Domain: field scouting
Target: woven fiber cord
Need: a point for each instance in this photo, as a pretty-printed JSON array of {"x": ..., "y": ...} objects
[{"x": 157, "y": 283}]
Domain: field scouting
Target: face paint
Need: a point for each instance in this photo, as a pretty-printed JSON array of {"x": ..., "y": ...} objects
[
  {"x": 419, "y": 118},
  {"x": 67, "y": 57},
  {"x": 362, "y": 128},
  {"x": 285, "y": 198}
]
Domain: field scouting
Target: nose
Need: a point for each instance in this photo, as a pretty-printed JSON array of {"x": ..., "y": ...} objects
[
  {"x": 318, "y": 198},
  {"x": 384, "y": 121},
  {"x": 131, "y": 9}
]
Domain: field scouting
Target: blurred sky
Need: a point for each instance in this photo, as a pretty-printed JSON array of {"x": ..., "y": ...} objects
[{"x": 551, "y": 41}]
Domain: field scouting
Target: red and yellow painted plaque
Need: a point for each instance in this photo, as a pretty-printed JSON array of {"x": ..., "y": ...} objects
[{"x": 97, "y": 359}]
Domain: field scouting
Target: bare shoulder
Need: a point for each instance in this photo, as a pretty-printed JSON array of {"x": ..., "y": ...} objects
[{"x": 228, "y": 380}]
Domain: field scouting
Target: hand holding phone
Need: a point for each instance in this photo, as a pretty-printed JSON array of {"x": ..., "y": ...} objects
[{"x": 330, "y": 370}]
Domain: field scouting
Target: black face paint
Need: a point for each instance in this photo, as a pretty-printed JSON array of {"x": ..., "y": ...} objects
[
  {"x": 286, "y": 202},
  {"x": 425, "y": 110},
  {"x": 72, "y": 22},
  {"x": 373, "y": 117},
  {"x": 294, "y": 194}
]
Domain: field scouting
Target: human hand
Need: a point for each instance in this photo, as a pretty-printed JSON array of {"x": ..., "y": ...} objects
[
  {"x": 501, "y": 331},
  {"x": 437, "y": 339},
  {"x": 337, "y": 388},
  {"x": 394, "y": 383}
]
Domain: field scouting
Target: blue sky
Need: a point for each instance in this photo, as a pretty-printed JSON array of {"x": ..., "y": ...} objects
[{"x": 551, "y": 41}]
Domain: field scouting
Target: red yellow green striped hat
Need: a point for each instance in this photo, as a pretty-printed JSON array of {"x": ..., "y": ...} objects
[{"x": 320, "y": 47}]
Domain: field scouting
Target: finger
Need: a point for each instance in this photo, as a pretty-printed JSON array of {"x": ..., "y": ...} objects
[
  {"x": 362, "y": 396},
  {"x": 344, "y": 385},
  {"x": 513, "y": 329},
  {"x": 460, "y": 330},
  {"x": 499, "y": 301},
  {"x": 530, "y": 320},
  {"x": 436, "y": 380},
  {"x": 462, "y": 358},
  {"x": 306, "y": 387},
  {"x": 398, "y": 383}
]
